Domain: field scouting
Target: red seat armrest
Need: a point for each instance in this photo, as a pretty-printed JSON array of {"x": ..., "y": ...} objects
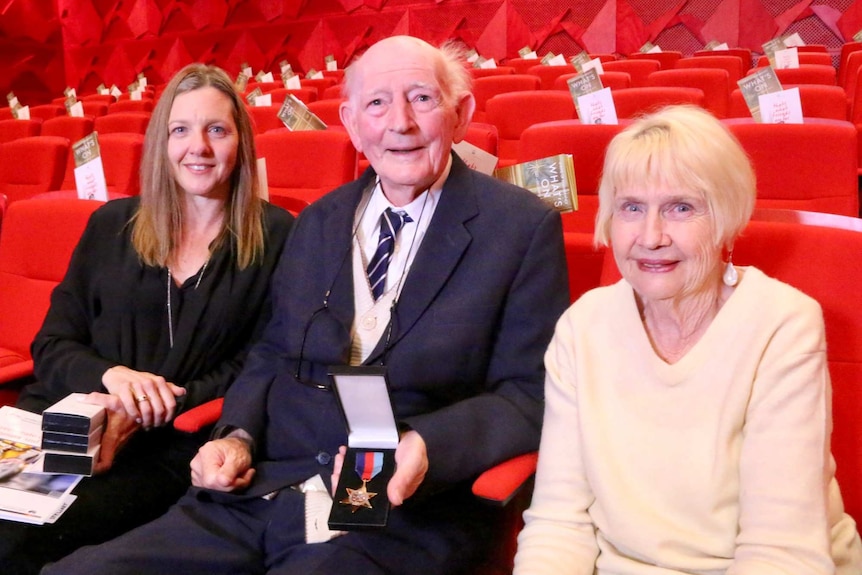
[
  {"x": 199, "y": 417},
  {"x": 503, "y": 481},
  {"x": 16, "y": 371}
]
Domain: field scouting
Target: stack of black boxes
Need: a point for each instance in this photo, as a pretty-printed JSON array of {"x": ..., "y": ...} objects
[{"x": 72, "y": 435}]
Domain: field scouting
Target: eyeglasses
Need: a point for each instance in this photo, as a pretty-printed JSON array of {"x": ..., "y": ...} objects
[{"x": 390, "y": 328}]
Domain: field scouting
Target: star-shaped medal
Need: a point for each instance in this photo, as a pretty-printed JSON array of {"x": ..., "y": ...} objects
[{"x": 358, "y": 498}]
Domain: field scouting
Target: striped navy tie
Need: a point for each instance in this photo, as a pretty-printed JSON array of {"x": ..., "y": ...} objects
[{"x": 390, "y": 222}]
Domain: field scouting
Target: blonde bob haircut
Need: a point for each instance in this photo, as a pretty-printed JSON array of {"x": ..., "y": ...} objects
[
  {"x": 681, "y": 147},
  {"x": 451, "y": 71},
  {"x": 158, "y": 224}
]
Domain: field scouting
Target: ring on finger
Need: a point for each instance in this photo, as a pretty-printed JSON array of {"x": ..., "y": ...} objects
[{"x": 142, "y": 398}]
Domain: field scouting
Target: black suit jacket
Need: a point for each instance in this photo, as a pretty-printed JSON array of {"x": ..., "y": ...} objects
[{"x": 465, "y": 358}]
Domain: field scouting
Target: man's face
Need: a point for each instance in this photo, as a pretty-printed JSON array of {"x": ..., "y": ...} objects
[{"x": 400, "y": 118}]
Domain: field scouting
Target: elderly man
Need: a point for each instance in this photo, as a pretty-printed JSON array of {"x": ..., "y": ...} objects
[{"x": 460, "y": 314}]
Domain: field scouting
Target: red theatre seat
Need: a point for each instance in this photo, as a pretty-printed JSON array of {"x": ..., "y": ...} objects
[
  {"x": 123, "y": 123},
  {"x": 265, "y": 118},
  {"x": 30, "y": 166},
  {"x": 818, "y": 101},
  {"x": 713, "y": 82},
  {"x": 73, "y": 129},
  {"x": 667, "y": 59},
  {"x": 306, "y": 165},
  {"x": 486, "y": 88},
  {"x": 633, "y": 102},
  {"x": 35, "y": 246},
  {"x": 121, "y": 160},
  {"x": 15, "y": 129},
  {"x": 810, "y": 166},
  {"x": 514, "y": 112},
  {"x": 587, "y": 144}
]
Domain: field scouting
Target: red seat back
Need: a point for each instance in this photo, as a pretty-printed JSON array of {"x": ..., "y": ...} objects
[
  {"x": 514, "y": 112},
  {"x": 306, "y": 164},
  {"x": 633, "y": 102},
  {"x": 121, "y": 160},
  {"x": 713, "y": 82},
  {"x": 123, "y": 123},
  {"x": 15, "y": 129},
  {"x": 35, "y": 246},
  {"x": 30, "y": 166},
  {"x": 790, "y": 161}
]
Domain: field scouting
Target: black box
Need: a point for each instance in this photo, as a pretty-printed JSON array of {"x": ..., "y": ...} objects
[
  {"x": 363, "y": 394},
  {"x": 71, "y": 442},
  {"x": 72, "y": 415},
  {"x": 78, "y": 464}
]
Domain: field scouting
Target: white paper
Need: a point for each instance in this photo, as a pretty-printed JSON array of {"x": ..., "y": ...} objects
[
  {"x": 77, "y": 110},
  {"x": 116, "y": 92},
  {"x": 794, "y": 40},
  {"x": 137, "y": 95},
  {"x": 722, "y": 46},
  {"x": 36, "y": 497},
  {"x": 267, "y": 77},
  {"x": 317, "y": 75},
  {"x": 488, "y": 64},
  {"x": 784, "y": 107},
  {"x": 14, "y": 102},
  {"x": 558, "y": 60},
  {"x": 331, "y": 66},
  {"x": 248, "y": 72},
  {"x": 596, "y": 64},
  {"x": 29, "y": 496},
  {"x": 654, "y": 50},
  {"x": 597, "y": 108},
  {"x": 293, "y": 83},
  {"x": 142, "y": 82},
  {"x": 475, "y": 157},
  {"x": 23, "y": 113},
  {"x": 530, "y": 56},
  {"x": 262, "y": 180},
  {"x": 787, "y": 58},
  {"x": 263, "y": 100},
  {"x": 90, "y": 181},
  {"x": 368, "y": 410}
]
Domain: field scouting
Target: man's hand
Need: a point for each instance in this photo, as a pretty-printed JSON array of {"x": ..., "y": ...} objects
[
  {"x": 146, "y": 397},
  {"x": 223, "y": 465},
  {"x": 411, "y": 465},
  {"x": 119, "y": 428}
]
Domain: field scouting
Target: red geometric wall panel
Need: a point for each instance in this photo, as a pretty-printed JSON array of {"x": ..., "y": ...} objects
[{"x": 46, "y": 45}]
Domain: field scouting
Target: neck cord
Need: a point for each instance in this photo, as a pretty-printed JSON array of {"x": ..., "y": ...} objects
[{"x": 170, "y": 314}]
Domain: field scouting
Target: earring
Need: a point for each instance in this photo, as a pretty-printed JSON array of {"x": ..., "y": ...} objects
[{"x": 730, "y": 277}]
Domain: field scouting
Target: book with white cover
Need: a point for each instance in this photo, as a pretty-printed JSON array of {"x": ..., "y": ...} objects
[
  {"x": 475, "y": 157},
  {"x": 783, "y": 107},
  {"x": 597, "y": 108},
  {"x": 787, "y": 58},
  {"x": 89, "y": 171}
]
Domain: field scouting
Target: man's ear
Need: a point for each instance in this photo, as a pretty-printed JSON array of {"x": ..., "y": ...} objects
[
  {"x": 464, "y": 109},
  {"x": 347, "y": 113}
]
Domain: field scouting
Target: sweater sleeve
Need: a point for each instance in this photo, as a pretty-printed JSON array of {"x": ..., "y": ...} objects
[
  {"x": 783, "y": 524},
  {"x": 559, "y": 536},
  {"x": 64, "y": 360}
]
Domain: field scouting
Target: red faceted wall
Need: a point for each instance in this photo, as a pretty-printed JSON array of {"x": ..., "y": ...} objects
[{"x": 46, "y": 45}]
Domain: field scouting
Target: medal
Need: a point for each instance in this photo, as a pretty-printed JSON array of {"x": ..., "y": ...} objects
[{"x": 368, "y": 464}]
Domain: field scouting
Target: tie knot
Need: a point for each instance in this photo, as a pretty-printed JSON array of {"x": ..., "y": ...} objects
[{"x": 392, "y": 221}]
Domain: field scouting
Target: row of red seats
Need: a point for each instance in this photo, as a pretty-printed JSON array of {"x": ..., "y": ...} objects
[{"x": 789, "y": 160}]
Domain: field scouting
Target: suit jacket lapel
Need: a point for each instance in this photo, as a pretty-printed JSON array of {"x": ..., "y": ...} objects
[
  {"x": 336, "y": 253},
  {"x": 442, "y": 248}
]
